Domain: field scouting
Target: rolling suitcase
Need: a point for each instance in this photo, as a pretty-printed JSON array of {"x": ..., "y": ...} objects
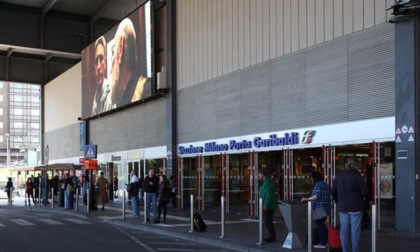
[{"x": 334, "y": 242}]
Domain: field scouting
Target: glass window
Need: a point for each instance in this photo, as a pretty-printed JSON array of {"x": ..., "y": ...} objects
[
  {"x": 1, "y": 97},
  {"x": 34, "y": 125},
  {"x": 1, "y": 111},
  {"x": 1, "y": 125},
  {"x": 18, "y": 111},
  {"x": 17, "y": 125},
  {"x": 1, "y": 84},
  {"x": 35, "y": 112}
]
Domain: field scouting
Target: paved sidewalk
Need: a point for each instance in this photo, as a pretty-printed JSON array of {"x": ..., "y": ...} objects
[{"x": 241, "y": 232}]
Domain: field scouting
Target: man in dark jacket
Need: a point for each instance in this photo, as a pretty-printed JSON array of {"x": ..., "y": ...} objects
[
  {"x": 348, "y": 191},
  {"x": 150, "y": 187}
]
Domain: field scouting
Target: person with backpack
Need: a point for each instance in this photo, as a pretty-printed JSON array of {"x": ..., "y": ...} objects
[{"x": 163, "y": 196}]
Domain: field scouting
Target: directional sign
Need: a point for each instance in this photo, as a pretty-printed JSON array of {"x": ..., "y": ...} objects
[
  {"x": 90, "y": 152},
  {"x": 91, "y": 164}
]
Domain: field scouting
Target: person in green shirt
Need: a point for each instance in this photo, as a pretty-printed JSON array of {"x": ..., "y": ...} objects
[{"x": 268, "y": 195}]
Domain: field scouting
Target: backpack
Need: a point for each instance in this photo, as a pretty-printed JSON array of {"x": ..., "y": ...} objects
[{"x": 199, "y": 225}]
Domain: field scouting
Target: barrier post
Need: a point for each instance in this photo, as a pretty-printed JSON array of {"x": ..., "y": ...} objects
[
  {"x": 222, "y": 221},
  {"x": 88, "y": 200},
  {"x": 146, "y": 214},
  {"x": 191, "y": 213},
  {"x": 373, "y": 214},
  {"x": 52, "y": 197},
  {"x": 260, "y": 222},
  {"x": 24, "y": 191},
  {"x": 76, "y": 208},
  {"x": 309, "y": 226},
  {"x": 39, "y": 194},
  {"x": 123, "y": 206}
]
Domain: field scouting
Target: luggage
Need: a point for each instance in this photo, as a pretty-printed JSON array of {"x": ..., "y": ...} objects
[
  {"x": 199, "y": 225},
  {"x": 334, "y": 243}
]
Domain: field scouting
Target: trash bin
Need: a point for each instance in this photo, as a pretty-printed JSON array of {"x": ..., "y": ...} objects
[
  {"x": 60, "y": 198},
  {"x": 294, "y": 214}
]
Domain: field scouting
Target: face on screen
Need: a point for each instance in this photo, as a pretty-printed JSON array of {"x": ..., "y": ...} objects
[{"x": 100, "y": 64}]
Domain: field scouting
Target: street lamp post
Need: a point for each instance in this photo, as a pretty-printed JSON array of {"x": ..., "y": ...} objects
[{"x": 8, "y": 150}]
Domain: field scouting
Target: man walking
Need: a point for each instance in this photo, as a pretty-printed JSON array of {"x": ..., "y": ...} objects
[
  {"x": 150, "y": 187},
  {"x": 101, "y": 194},
  {"x": 267, "y": 194},
  {"x": 348, "y": 191}
]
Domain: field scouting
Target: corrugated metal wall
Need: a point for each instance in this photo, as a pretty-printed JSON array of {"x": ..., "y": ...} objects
[
  {"x": 218, "y": 37},
  {"x": 350, "y": 78}
]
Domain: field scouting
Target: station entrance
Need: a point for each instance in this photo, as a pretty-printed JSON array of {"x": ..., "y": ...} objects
[{"x": 235, "y": 176}]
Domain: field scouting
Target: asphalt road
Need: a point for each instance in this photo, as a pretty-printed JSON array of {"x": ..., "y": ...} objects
[{"x": 23, "y": 230}]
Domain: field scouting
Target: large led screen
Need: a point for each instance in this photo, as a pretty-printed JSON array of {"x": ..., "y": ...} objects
[{"x": 117, "y": 67}]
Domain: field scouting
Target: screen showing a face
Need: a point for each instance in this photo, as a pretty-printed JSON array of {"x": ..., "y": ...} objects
[{"x": 116, "y": 68}]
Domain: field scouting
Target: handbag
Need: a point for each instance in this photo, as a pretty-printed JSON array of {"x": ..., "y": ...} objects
[{"x": 319, "y": 213}]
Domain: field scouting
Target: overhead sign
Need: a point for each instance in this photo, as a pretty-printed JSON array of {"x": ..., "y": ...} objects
[
  {"x": 90, "y": 152},
  {"x": 91, "y": 164}
]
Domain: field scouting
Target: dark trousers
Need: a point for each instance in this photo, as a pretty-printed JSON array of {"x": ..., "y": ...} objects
[
  {"x": 30, "y": 194},
  {"x": 269, "y": 225},
  {"x": 162, "y": 206},
  {"x": 322, "y": 230}
]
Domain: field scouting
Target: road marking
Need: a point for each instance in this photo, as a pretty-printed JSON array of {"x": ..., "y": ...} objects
[
  {"x": 51, "y": 222},
  {"x": 22, "y": 222},
  {"x": 1, "y": 225},
  {"x": 144, "y": 245},
  {"x": 77, "y": 221},
  {"x": 172, "y": 243},
  {"x": 194, "y": 249}
]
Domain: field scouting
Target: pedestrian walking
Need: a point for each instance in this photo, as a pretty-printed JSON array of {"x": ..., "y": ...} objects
[
  {"x": 101, "y": 191},
  {"x": 268, "y": 194},
  {"x": 68, "y": 192},
  {"x": 115, "y": 187},
  {"x": 163, "y": 196},
  {"x": 133, "y": 191},
  {"x": 321, "y": 198},
  {"x": 9, "y": 189},
  {"x": 151, "y": 187},
  {"x": 30, "y": 190},
  {"x": 348, "y": 191}
]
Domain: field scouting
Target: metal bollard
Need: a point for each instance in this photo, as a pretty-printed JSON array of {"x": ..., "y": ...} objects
[
  {"x": 309, "y": 226},
  {"x": 39, "y": 195},
  {"x": 25, "y": 196},
  {"x": 373, "y": 214},
  {"x": 222, "y": 221},
  {"x": 88, "y": 200},
  {"x": 52, "y": 196},
  {"x": 145, "y": 207},
  {"x": 191, "y": 213},
  {"x": 260, "y": 222},
  {"x": 76, "y": 208},
  {"x": 123, "y": 206}
]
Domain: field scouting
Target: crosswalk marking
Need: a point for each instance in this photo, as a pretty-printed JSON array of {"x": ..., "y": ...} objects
[
  {"x": 22, "y": 222},
  {"x": 1, "y": 225},
  {"x": 51, "y": 222},
  {"x": 77, "y": 221}
]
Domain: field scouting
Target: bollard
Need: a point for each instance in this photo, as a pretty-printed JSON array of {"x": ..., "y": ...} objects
[
  {"x": 309, "y": 238},
  {"x": 39, "y": 195},
  {"x": 260, "y": 222},
  {"x": 146, "y": 214},
  {"x": 76, "y": 208},
  {"x": 88, "y": 200},
  {"x": 52, "y": 200},
  {"x": 123, "y": 206},
  {"x": 373, "y": 214},
  {"x": 191, "y": 213},
  {"x": 25, "y": 196},
  {"x": 222, "y": 221}
]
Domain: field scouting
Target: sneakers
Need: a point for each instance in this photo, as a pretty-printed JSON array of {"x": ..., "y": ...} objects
[{"x": 320, "y": 246}]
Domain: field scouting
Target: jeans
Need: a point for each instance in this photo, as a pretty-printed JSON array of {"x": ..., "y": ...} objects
[
  {"x": 353, "y": 220},
  {"x": 151, "y": 197},
  {"x": 322, "y": 230},
  {"x": 68, "y": 200},
  {"x": 135, "y": 205}
]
